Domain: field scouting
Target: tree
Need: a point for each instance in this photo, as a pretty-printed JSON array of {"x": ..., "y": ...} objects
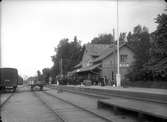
[
  {"x": 46, "y": 74},
  {"x": 103, "y": 39},
  {"x": 159, "y": 38},
  {"x": 68, "y": 54},
  {"x": 122, "y": 38},
  {"x": 53, "y": 72},
  {"x": 139, "y": 42},
  {"x": 158, "y": 60},
  {"x": 76, "y": 52},
  {"x": 39, "y": 76}
]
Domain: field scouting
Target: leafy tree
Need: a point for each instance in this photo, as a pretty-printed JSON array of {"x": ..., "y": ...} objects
[
  {"x": 46, "y": 74},
  {"x": 139, "y": 42},
  {"x": 108, "y": 39},
  {"x": 159, "y": 38},
  {"x": 76, "y": 52},
  {"x": 68, "y": 54},
  {"x": 122, "y": 38},
  {"x": 103, "y": 39},
  {"x": 150, "y": 51},
  {"x": 53, "y": 72},
  {"x": 158, "y": 61},
  {"x": 39, "y": 75}
]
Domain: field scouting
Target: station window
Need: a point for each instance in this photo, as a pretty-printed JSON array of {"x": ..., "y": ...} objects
[
  {"x": 111, "y": 62},
  {"x": 123, "y": 58}
]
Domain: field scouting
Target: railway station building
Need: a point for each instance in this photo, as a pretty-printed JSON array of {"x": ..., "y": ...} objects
[{"x": 100, "y": 62}]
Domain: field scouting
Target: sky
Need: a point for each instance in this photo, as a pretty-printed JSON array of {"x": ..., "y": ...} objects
[{"x": 31, "y": 29}]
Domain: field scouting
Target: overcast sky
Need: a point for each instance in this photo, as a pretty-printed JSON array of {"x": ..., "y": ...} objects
[{"x": 30, "y": 30}]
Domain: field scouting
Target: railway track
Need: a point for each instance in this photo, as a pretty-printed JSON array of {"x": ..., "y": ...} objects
[
  {"x": 59, "y": 118},
  {"x": 148, "y": 117},
  {"x": 70, "y": 112},
  {"x": 81, "y": 93},
  {"x": 5, "y": 98}
]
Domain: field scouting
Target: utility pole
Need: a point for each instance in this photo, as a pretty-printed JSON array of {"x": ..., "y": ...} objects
[
  {"x": 118, "y": 76},
  {"x": 61, "y": 66},
  {"x": 114, "y": 53},
  {"x": 1, "y": 53}
]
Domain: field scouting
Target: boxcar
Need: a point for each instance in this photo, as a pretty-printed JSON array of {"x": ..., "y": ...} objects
[{"x": 8, "y": 78}]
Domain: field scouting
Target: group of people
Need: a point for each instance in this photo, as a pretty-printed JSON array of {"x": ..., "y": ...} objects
[{"x": 100, "y": 81}]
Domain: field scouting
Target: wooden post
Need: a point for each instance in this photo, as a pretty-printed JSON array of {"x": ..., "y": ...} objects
[
  {"x": 115, "y": 110},
  {"x": 140, "y": 117}
]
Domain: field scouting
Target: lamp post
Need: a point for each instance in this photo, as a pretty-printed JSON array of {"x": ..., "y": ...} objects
[{"x": 118, "y": 76}]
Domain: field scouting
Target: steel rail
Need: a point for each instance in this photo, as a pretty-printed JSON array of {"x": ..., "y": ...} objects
[
  {"x": 61, "y": 119},
  {"x": 107, "y": 96},
  {"x": 6, "y": 100},
  {"x": 77, "y": 106},
  {"x": 84, "y": 93}
]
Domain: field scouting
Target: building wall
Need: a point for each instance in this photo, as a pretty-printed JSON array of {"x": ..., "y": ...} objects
[
  {"x": 86, "y": 59},
  {"x": 109, "y": 64},
  {"x": 92, "y": 50}
]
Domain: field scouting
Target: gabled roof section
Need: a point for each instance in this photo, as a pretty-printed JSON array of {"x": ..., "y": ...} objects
[
  {"x": 108, "y": 51},
  {"x": 88, "y": 68},
  {"x": 93, "y": 50},
  {"x": 96, "y": 49},
  {"x": 78, "y": 65}
]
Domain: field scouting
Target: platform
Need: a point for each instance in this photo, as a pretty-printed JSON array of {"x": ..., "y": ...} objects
[
  {"x": 140, "y": 107},
  {"x": 144, "y": 94},
  {"x": 133, "y": 89}
]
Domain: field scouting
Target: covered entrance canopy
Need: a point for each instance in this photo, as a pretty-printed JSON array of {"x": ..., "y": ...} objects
[
  {"x": 91, "y": 73},
  {"x": 89, "y": 69}
]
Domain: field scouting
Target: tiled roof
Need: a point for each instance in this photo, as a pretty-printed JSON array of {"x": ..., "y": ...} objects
[
  {"x": 96, "y": 49},
  {"x": 78, "y": 65},
  {"x": 107, "y": 52},
  {"x": 88, "y": 68},
  {"x": 93, "y": 50},
  {"x": 101, "y": 50}
]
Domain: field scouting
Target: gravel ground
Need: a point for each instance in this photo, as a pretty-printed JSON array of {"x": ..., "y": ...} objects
[
  {"x": 91, "y": 104},
  {"x": 25, "y": 107}
]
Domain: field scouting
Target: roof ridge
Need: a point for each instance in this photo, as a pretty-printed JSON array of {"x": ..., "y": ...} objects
[{"x": 109, "y": 52}]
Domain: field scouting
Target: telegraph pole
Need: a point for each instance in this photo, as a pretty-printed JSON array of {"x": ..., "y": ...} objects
[
  {"x": 114, "y": 53},
  {"x": 118, "y": 76},
  {"x": 61, "y": 66}
]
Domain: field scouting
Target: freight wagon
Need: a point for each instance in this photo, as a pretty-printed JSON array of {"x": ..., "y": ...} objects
[{"x": 8, "y": 78}]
